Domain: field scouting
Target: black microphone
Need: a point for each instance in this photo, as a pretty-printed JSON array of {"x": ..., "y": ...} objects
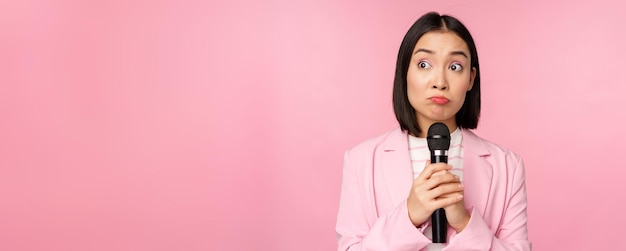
[{"x": 438, "y": 139}]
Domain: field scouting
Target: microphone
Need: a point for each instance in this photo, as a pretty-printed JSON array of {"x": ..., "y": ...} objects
[{"x": 438, "y": 139}]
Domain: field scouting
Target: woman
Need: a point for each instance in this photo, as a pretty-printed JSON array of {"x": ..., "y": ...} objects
[{"x": 390, "y": 189}]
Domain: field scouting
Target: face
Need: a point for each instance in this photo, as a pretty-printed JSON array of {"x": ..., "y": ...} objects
[{"x": 438, "y": 78}]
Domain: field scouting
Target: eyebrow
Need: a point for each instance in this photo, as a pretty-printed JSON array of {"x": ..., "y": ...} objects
[{"x": 462, "y": 53}]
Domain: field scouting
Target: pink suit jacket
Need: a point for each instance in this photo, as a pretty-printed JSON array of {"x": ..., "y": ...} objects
[{"x": 377, "y": 178}]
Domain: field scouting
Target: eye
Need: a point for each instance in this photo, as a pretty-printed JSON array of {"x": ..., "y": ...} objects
[
  {"x": 456, "y": 67},
  {"x": 423, "y": 65}
]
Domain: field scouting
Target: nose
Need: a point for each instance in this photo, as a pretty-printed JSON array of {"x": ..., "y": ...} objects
[
  {"x": 440, "y": 86},
  {"x": 440, "y": 81}
]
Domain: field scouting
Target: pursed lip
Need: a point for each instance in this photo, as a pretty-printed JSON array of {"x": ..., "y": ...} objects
[{"x": 441, "y": 100}]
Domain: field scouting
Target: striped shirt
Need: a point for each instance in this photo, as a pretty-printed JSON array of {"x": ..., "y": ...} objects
[{"x": 418, "y": 149}]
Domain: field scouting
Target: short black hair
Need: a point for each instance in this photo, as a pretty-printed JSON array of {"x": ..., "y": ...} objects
[{"x": 468, "y": 115}]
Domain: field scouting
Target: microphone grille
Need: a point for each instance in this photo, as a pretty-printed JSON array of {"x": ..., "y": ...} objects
[{"x": 438, "y": 137}]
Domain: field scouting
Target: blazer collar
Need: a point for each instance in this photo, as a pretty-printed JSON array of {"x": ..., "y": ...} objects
[
  {"x": 474, "y": 144},
  {"x": 392, "y": 156},
  {"x": 397, "y": 140}
]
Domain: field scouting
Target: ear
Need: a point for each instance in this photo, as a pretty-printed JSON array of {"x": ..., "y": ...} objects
[{"x": 472, "y": 76}]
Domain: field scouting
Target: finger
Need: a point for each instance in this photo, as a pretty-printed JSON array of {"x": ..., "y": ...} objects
[
  {"x": 430, "y": 169},
  {"x": 451, "y": 194},
  {"x": 436, "y": 172},
  {"x": 444, "y": 202},
  {"x": 440, "y": 173},
  {"x": 445, "y": 189},
  {"x": 438, "y": 180}
]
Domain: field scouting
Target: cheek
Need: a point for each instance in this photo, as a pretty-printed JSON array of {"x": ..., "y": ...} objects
[
  {"x": 461, "y": 95},
  {"x": 415, "y": 90},
  {"x": 459, "y": 83},
  {"x": 415, "y": 81}
]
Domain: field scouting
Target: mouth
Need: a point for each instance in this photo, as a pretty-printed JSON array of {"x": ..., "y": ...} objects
[{"x": 439, "y": 100}]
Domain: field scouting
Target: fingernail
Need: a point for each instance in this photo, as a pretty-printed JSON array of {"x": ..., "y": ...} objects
[
  {"x": 460, "y": 197},
  {"x": 461, "y": 186}
]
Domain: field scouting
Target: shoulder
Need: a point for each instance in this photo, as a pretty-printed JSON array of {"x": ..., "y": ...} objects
[
  {"x": 487, "y": 147},
  {"x": 370, "y": 145}
]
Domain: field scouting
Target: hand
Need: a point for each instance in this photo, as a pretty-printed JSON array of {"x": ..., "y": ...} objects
[
  {"x": 456, "y": 214},
  {"x": 430, "y": 192}
]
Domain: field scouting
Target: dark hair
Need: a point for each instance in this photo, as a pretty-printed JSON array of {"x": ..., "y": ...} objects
[{"x": 468, "y": 115}]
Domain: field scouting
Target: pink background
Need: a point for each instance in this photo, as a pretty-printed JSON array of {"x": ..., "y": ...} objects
[{"x": 195, "y": 125}]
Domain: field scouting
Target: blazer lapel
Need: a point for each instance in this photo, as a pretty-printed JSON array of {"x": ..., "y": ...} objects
[
  {"x": 394, "y": 162},
  {"x": 477, "y": 173}
]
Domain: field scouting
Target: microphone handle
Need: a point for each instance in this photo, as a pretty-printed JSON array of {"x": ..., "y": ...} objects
[
  {"x": 438, "y": 219},
  {"x": 440, "y": 226}
]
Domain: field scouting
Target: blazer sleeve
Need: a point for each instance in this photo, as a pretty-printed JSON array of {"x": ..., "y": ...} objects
[
  {"x": 358, "y": 225},
  {"x": 512, "y": 234}
]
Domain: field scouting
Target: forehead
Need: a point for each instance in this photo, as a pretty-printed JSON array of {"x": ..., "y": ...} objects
[{"x": 441, "y": 41}]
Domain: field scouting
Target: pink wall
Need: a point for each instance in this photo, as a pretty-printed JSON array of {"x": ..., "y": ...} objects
[{"x": 185, "y": 125}]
